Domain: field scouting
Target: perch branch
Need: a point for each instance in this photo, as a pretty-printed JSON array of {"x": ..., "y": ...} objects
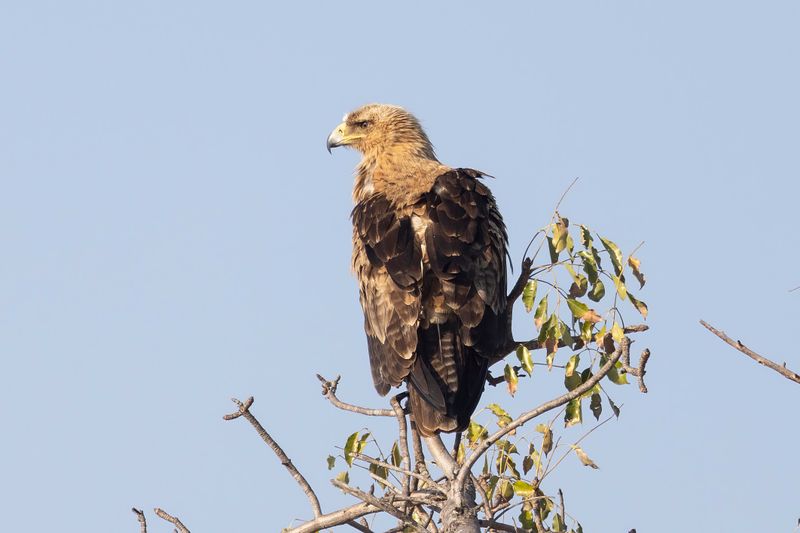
[
  {"x": 329, "y": 391},
  {"x": 780, "y": 369},
  {"x": 179, "y": 527},
  {"x": 142, "y": 520},
  {"x": 465, "y": 470},
  {"x": 403, "y": 440},
  {"x": 244, "y": 410}
]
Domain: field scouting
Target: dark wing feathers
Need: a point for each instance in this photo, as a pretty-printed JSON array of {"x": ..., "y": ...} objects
[{"x": 434, "y": 320}]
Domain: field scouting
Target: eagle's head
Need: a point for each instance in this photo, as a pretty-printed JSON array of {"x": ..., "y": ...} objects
[{"x": 375, "y": 129}]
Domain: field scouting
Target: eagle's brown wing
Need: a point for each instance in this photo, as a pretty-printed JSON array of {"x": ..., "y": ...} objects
[{"x": 433, "y": 290}]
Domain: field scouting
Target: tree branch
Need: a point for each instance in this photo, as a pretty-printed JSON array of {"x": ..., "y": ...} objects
[
  {"x": 336, "y": 518},
  {"x": 780, "y": 369},
  {"x": 534, "y": 344},
  {"x": 141, "y": 518},
  {"x": 244, "y": 410},
  {"x": 376, "y": 462},
  {"x": 465, "y": 470},
  {"x": 329, "y": 391},
  {"x": 171, "y": 519},
  {"x": 403, "y": 440},
  {"x": 382, "y": 505}
]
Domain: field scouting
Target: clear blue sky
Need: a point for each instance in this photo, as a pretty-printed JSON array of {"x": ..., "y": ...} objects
[{"x": 174, "y": 233}]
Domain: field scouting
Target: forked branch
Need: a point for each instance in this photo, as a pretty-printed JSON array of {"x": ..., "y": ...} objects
[{"x": 244, "y": 411}]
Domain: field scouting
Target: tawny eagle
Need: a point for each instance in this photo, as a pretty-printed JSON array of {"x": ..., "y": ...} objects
[{"x": 429, "y": 252}]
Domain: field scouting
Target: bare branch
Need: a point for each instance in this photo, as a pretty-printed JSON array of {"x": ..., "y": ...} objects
[
  {"x": 329, "y": 391},
  {"x": 336, "y": 518},
  {"x": 638, "y": 372},
  {"x": 465, "y": 470},
  {"x": 382, "y": 505},
  {"x": 499, "y": 526},
  {"x": 420, "y": 464},
  {"x": 403, "y": 440},
  {"x": 180, "y": 528},
  {"x": 360, "y": 527},
  {"x": 388, "y": 466},
  {"x": 244, "y": 411},
  {"x": 442, "y": 457},
  {"x": 141, "y": 518},
  {"x": 780, "y": 369}
]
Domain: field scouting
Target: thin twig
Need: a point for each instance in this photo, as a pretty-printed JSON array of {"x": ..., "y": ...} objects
[
  {"x": 464, "y": 471},
  {"x": 780, "y": 369},
  {"x": 534, "y": 344},
  {"x": 389, "y": 466},
  {"x": 171, "y": 519},
  {"x": 491, "y": 524},
  {"x": 329, "y": 391},
  {"x": 356, "y": 525},
  {"x": 382, "y": 505},
  {"x": 244, "y": 411},
  {"x": 141, "y": 518}
]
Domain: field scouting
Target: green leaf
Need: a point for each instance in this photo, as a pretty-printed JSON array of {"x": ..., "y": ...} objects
[
  {"x": 589, "y": 265},
  {"x": 552, "y": 249},
  {"x": 573, "y": 415},
  {"x": 577, "y": 308},
  {"x": 597, "y": 292},
  {"x": 560, "y": 235},
  {"x": 617, "y": 333},
  {"x": 558, "y": 525},
  {"x": 503, "y": 418},
  {"x": 547, "y": 437},
  {"x": 529, "y": 295},
  {"x": 614, "y": 407},
  {"x": 461, "y": 453},
  {"x": 583, "y": 457},
  {"x": 527, "y": 464},
  {"x": 510, "y": 375},
  {"x": 331, "y": 462},
  {"x": 351, "y": 447},
  {"x": 541, "y": 312},
  {"x": 639, "y": 305},
  {"x": 505, "y": 489},
  {"x": 526, "y": 519},
  {"x": 523, "y": 489},
  {"x": 397, "y": 459},
  {"x": 619, "y": 283},
  {"x": 572, "y": 379},
  {"x": 476, "y": 432},
  {"x": 614, "y": 375},
  {"x": 380, "y": 471},
  {"x": 596, "y": 405},
  {"x": 586, "y": 237},
  {"x": 578, "y": 287},
  {"x": 635, "y": 264},
  {"x": 344, "y": 477},
  {"x": 615, "y": 253},
  {"x": 573, "y": 362},
  {"x": 524, "y": 356}
]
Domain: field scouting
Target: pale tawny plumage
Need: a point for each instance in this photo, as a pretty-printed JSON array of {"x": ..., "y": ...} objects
[{"x": 429, "y": 252}]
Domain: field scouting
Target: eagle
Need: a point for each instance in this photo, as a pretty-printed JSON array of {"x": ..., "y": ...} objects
[{"x": 429, "y": 253}]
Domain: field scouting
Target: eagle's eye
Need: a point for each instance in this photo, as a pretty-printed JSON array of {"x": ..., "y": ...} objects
[{"x": 362, "y": 124}]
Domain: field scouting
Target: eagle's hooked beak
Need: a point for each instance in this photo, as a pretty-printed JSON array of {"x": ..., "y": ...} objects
[{"x": 341, "y": 136}]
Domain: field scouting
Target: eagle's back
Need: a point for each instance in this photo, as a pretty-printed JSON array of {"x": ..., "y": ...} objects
[{"x": 432, "y": 277}]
